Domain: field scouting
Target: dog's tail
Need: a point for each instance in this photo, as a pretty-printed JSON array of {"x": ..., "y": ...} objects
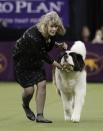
[{"x": 79, "y": 47}]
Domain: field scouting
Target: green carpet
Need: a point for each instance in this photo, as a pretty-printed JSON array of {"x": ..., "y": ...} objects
[{"x": 12, "y": 117}]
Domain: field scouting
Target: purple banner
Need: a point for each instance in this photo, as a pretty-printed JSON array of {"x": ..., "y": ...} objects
[
  {"x": 6, "y": 62},
  {"x": 25, "y": 13},
  {"x": 94, "y": 62}
]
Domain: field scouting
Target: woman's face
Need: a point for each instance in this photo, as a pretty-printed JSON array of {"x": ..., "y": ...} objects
[{"x": 52, "y": 29}]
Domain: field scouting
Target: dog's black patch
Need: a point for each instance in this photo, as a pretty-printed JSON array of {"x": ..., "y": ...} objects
[
  {"x": 62, "y": 54},
  {"x": 78, "y": 61}
]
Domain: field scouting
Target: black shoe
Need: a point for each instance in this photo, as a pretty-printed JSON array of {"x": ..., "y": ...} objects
[
  {"x": 40, "y": 119},
  {"x": 30, "y": 115}
]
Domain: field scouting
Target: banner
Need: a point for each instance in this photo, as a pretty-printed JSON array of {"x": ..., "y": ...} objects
[
  {"x": 25, "y": 13},
  {"x": 6, "y": 61},
  {"x": 94, "y": 62}
]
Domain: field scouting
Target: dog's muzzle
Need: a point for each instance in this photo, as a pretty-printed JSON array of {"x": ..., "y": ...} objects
[{"x": 67, "y": 67}]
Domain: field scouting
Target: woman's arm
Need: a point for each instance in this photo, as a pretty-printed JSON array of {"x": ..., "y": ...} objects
[{"x": 49, "y": 60}]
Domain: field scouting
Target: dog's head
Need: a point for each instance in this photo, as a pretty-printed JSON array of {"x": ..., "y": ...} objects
[{"x": 73, "y": 59}]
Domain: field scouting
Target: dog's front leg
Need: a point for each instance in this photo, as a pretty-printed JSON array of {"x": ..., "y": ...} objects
[
  {"x": 78, "y": 104},
  {"x": 67, "y": 105}
]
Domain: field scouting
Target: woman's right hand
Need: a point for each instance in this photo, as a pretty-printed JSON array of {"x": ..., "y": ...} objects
[{"x": 56, "y": 64}]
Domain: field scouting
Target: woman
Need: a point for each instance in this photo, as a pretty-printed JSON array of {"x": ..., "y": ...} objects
[{"x": 29, "y": 54}]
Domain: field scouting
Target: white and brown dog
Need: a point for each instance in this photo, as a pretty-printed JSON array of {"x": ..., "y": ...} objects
[{"x": 71, "y": 82}]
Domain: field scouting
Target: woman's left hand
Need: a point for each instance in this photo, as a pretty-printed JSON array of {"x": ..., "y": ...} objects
[
  {"x": 65, "y": 46},
  {"x": 62, "y": 45}
]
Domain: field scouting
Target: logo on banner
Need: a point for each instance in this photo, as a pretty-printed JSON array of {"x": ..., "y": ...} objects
[
  {"x": 3, "y": 63},
  {"x": 94, "y": 63},
  {"x": 30, "y": 7}
]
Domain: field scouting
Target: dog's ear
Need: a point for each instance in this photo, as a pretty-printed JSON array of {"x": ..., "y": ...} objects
[
  {"x": 60, "y": 56},
  {"x": 81, "y": 62},
  {"x": 78, "y": 61}
]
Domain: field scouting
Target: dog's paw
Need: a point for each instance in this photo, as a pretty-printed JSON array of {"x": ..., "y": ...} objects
[
  {"x": 75, "y": 118},
  {"x": 67, "y": 118}
]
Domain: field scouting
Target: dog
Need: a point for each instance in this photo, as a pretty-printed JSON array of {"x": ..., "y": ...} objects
[{"x": 71, "y": 81}]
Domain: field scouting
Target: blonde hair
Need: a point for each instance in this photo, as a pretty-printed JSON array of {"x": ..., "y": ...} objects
[{"x": 52, "y": 17}]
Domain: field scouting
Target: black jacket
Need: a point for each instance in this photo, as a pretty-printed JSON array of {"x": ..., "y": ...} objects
[{"x": 32, "y": 49}]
